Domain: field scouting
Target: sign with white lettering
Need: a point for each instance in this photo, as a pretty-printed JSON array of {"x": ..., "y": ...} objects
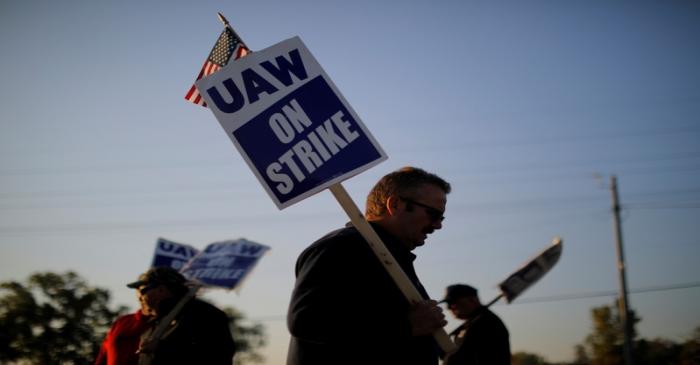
[
  {"x": 289, "y": 122},
  {"x": 224, "y": 264},
  {"x": 172, "y": 254}
]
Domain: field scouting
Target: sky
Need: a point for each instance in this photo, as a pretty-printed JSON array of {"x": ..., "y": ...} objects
[{"x": 527, "y": 108}]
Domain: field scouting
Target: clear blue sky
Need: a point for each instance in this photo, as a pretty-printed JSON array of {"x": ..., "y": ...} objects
[{"x": 518, "y": 104}]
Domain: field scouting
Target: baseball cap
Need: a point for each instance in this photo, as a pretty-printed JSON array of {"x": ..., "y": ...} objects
[
  {"x": 159, "y": 275},
  {"x": 457, "y": 291}
]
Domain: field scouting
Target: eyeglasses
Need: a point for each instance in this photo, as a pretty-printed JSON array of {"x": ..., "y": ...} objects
[
  {"x": 435, "y": 214},
  {"x": 144, "y": 289}
]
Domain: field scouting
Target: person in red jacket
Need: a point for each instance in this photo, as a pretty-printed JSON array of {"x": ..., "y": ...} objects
[
  {"x": 122, "y": 341},
  {"x": 198, "y": 332}
]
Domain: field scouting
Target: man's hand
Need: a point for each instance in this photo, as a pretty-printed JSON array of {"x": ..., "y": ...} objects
[{"x": 426, "y": 317}]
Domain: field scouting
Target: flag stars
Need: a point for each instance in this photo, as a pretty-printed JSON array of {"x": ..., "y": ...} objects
[{"x": 228, "y": 45}]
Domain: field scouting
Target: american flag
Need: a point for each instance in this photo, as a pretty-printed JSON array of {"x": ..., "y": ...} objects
[{"x": 228, "y": 44}]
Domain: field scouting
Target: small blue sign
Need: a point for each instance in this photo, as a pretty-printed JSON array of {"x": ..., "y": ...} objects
[
  {"x": 172, "y": 254},
  {"x": 224, "y": 264}
]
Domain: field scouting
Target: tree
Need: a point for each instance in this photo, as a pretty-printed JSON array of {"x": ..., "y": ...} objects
[
  {"x": 604, "y": 345},
  {"x": 248, "y": 338},
  {"x": 690, "y": 351},
  {"x": 526, "y": 358},
  {"x": 53, "y": 319},
  {"x": 59, "y": 319},
  {"x": 581, "y": 357},
  {"x": 656, "y": 351}
]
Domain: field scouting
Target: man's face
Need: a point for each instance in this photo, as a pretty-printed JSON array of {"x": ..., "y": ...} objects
[
  {"x": 150, "y": 296},
  {"x": 463, "y": 307},
  {"x": 419, "y": 213}
]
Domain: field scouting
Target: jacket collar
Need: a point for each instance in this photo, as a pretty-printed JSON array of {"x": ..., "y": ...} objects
[{"x": 397, "y": 249}]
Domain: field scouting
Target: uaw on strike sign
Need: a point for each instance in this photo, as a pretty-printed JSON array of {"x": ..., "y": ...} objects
[
  {"x": 221, "y": 264},
  {"x": 289, "y": 121}
]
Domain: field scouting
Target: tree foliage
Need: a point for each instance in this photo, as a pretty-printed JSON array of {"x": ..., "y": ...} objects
[
  {"x": 53, "y": 319},
  {"x": 249, "y": 339},
  {"x": 604, "y": 345},
  {"x": 527, "y": 358},
  {"x": 60, "y": 319},
  {"x": 690, "y": 353}
]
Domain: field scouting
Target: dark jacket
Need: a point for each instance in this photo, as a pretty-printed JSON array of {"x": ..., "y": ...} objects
[
  {"x": 481, "y": 340},
  {"x": 346, "y": 309},
  {"x": 200, "y": 334}
]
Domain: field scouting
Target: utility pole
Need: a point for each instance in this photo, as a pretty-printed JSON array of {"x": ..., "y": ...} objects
[{"x": 624, "y": 303}]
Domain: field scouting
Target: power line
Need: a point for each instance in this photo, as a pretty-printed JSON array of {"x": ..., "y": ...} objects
[
  {"x": 661, "y": 205},
  {"x": 158, "y": 195},
  {"x": 666, "y": 192},
  {"x": 569, "y": 201},
  {"x": 222, "y": 188},
  {"x": 553, "y": 298},
  {"x": 113, "y": 168},
  {"x": 684, "y": 129},
  {"x": 152, "y": 225},
  {"x": 607, "y": 293},
  {"x": 595, "y": 162}
]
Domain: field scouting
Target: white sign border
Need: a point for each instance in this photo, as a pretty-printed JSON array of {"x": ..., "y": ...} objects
[{"x": 291, "y": 43}]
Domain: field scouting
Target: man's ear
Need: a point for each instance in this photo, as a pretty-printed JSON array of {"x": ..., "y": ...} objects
[{"x": 392, "y": 205}]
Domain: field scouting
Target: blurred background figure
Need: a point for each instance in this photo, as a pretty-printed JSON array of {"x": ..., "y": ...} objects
[
  {"x": 483, "y": 338},
  {"x": 198, "y": 333}
]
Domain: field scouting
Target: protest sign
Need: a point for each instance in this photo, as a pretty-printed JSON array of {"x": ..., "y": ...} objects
[
  {"x": 290, "y": 123},
  {"x": 532, "y": 271},
  {"x": 172, "y": 254},
  {"x": 224, "y": 264},
  {"x": 528, "y": 274}
]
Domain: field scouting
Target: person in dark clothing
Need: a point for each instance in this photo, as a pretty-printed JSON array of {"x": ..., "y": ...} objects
[
  {"x": 345, "y": 308},
  {"x": 198, "y": 333},
  {"x": 483, "y": 338}
]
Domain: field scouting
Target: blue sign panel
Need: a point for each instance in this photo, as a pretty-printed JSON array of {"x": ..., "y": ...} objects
[
  {"x": 289, "y": 121},
  {"x": 172, "y": 254},
  {"x": 224, "y": 264},
  {"x": 311, "y": 137}
]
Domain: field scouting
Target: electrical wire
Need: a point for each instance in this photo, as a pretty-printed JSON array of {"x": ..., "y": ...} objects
[{"x": 553, "y": 298}]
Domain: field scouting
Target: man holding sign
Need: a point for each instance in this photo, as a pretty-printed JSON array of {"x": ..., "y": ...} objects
[
  {"x": 300, "y": 136},
  {"x": 482, "y": 338},
  {"x": 196, "y": 333},
  {"x": 345, "y": 308}
]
